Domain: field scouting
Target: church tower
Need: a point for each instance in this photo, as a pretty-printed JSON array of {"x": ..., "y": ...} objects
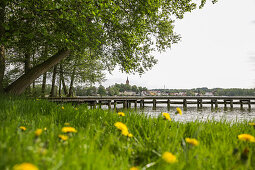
[{"x": 127, "y": 81}]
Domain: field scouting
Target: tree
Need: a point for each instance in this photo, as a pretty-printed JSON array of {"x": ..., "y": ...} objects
[
  {"x": 91, "y": 91},
  {"x": 119, "y": 32},
  {"x": 101, "y": 90}
]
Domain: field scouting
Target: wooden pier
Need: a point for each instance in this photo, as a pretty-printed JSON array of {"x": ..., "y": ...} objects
[{"x": 141, "y": 101}]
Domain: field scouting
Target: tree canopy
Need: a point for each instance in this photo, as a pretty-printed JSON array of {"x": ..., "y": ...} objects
[{"x": 116, "y": 32}]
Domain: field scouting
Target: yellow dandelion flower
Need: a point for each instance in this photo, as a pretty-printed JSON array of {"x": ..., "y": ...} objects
[
  {"x": 63, "y": 137},
  {"x": 25, "y": 166},
  {"x": 130, "y": 135},
  {"x": 66, "y": 124},
  {"x": 192, "y": 141},
  {"x": 121, "y": 113},
  {"x": 252, "y": 124},
  {"x": 166, "y": 116},
  {"x": 246, "y": 137},
  {"x": 178, "y": 110},
  {"x": 68, "y": 130},
  {"x": 23, "y": 128},
  {"x": 38, "y": 132},
  {"x": 76, "y": 108},
  {"x": 169, "y": 157},
  {"x": 124, "y": 132},
  {"x": 121, "y": 126},
  {"x": 134, "y": 168},
  {"x": 62, "y": 108}
]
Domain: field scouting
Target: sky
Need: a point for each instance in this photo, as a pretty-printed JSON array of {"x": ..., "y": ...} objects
[{"x": 217, "y": 49}]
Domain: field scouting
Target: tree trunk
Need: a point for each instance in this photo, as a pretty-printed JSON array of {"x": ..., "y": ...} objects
[
  {"x": 27, "y": 67},
  {"x": 18, "y": 86},
  {"x": 62, "y": 79},
  {"x": 71, "y": 84},
  {"x": 52, "y": 92},
  {"x": 59, "y": 89},
  {"x": 2, "y": 49},
  {"x": 2, "y": 67},
  {"x": 44, "y": 84}
]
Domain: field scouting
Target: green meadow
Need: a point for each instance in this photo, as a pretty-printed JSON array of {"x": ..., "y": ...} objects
[{"x": 97, "y": 143}]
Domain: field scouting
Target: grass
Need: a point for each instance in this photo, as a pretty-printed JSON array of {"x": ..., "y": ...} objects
[{"x": 98, "y": 144}]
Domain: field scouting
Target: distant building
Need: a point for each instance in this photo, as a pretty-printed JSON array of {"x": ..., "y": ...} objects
[
  {"x": 209, "y": 94},
  {"x": 127, "y": 81},
  {"x": 129, "y": 93}
]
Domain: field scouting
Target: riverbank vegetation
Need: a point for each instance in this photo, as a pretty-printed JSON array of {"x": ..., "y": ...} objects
[{"x": 45, "y": 135}]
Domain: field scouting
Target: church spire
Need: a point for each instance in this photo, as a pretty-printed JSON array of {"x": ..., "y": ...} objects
[{"x": 127, "y": 81}]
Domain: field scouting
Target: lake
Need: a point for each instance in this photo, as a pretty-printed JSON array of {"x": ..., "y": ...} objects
[{"x": 204, "y": 114}]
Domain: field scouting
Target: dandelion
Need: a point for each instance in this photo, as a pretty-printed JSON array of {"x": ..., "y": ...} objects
[
  {"x": 134, "y": 168},
  {"x": 192, "y": 141},
  {"x": 121, "y": 126},
  {"x": 23, "y": 128},
  {"x": 246, "y": 137},
  {"x": 66, "y": 124},
  {"x": 169, "y": 157},
  {"x": 38, "y": 132},
  {"x": 178, "y": 110},
  {"x": 76, "y": 108},
  {"x": 252, "y": 124},
  {"x": 62, "y": 108},
  {"x": 63, "y": 137},
  {"x": 166, "y": 116},
  {"x": 130, "y": 135},
  {"x": 68, "y": 130},
  {"x": 121, "y": 113},
  {"x": 25, "y": 166},
  {"x": 124, "y": 130}
]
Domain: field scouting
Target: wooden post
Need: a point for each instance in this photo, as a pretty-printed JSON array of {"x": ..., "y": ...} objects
[
  {"x": 241, "y": 104},
  {"x": 142, "y": 104},
  {"x": 198, "y": 103},
  {"x": 135, "y": 104},
  {"x": 109, "y": 104},
  {"x": 168, "y": 104},
  {"x": 184, "y": 104},
  {"x": 128, "y": 104},
  {"x": 225, "y": 104},
  {"x": 216, "y": 104},
  {"x": 201, "y": 105},
  {"x": 100, "y": 104},
  {"x": 115, "y": 104},
  {"x": 231, "y": 104},
  {"x": 154, "y": 104},
  {"x": 212, "y": 101},
  {"x": 125, "y": 104},
  {"x": 249, "y": 104}
]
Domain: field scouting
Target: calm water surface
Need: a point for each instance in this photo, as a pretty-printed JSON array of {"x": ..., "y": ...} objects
[{"x": 204, "y": 114}]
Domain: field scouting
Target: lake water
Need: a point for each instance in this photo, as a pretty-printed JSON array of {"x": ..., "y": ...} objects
[{"x": 204, "y": 114}]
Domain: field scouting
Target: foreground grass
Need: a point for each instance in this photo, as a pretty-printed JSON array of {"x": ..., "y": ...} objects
[{"x": 98, "y": 144}]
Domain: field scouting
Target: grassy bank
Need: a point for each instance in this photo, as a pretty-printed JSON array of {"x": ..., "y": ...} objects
[{"x": 98, "y": 144}]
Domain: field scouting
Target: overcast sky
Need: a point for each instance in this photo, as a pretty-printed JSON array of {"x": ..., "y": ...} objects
[{"x": 217, "y": 49}]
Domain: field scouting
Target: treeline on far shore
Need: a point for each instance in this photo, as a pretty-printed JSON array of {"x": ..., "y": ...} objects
[
  {"x": 208, "y": 92},
  {"x": 113, "y": 90},
  {"x": 132, "y": 90}
]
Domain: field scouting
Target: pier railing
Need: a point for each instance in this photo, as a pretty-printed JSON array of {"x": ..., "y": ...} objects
[{"x": 141, "y": 101}]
